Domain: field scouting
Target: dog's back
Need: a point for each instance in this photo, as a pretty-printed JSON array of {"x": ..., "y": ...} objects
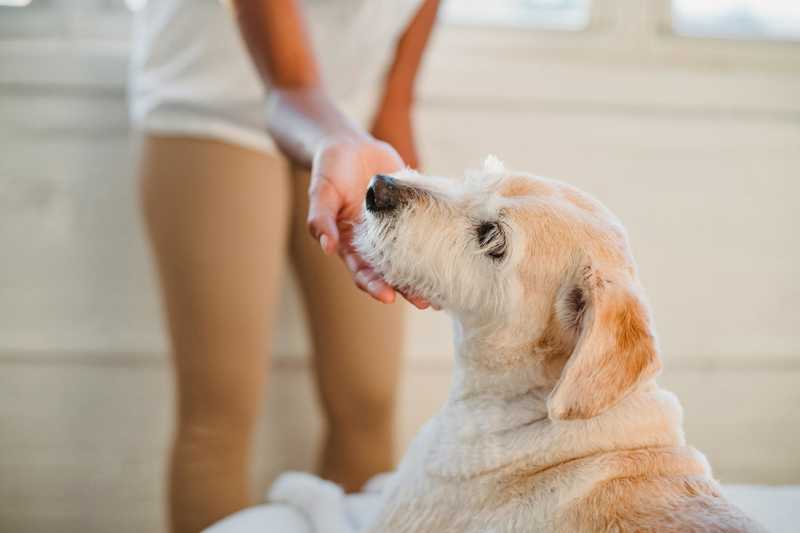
[{"x": 680, "y": 504}]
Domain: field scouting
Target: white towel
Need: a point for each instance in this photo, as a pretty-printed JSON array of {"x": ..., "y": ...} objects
[
  {"x": 275, "y": 518},
  {"x": 303, "y": 503}
]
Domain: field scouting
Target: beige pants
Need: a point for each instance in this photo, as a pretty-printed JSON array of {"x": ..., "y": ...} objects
[{"x": 219, "y": 217}]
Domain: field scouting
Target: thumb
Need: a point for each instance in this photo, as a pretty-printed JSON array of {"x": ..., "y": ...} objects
[{"x": 323, "y": 210}]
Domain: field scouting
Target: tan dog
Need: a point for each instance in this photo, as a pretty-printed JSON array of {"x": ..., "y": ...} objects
[{"x": 554, "y": 422}]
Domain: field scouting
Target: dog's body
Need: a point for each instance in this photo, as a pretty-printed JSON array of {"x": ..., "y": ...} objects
[
  {"x": 501, "y": 465},
  {"x": 554, "y": 422}
]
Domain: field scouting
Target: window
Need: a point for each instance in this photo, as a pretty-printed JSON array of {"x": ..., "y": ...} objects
[
  {"x": 737, "y": 19},
  {"x": 65, "y": 20},
  {"x": 545, "y": 14},
  {"x": 133, "y": 5}
]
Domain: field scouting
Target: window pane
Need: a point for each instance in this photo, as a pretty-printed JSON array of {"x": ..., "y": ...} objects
[
  {"x": 37, "y": 18},
  {"x": 737, "y": 19},
  {"x": 545, "y": 14},
  {"x": 65, "y": 19}
]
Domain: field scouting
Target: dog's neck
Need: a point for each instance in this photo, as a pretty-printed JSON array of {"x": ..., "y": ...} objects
[
  {"x": 496, "y": 415},
  {"x": 496, "y": 364}
]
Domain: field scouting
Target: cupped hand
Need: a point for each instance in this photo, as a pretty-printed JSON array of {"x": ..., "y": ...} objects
[{"x": 340, "y": 174}]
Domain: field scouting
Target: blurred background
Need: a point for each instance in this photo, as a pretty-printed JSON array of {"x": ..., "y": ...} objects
[{"x": 682, "y": 116}]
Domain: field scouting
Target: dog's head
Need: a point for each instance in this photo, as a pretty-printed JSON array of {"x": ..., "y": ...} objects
[{"x": 536, "y": 266}]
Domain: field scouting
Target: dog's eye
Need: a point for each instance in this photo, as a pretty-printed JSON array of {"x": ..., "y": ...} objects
[{"x": 491, "y": 239}]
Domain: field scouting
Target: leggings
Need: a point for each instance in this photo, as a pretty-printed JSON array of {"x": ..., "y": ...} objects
[{"x": 219, "y": 218}]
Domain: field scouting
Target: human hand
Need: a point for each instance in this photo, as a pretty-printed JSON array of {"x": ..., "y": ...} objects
[{"x": 340, "y": 175}]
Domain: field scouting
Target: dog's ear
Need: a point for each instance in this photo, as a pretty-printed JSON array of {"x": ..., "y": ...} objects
[{"x": 614, "y": 352}]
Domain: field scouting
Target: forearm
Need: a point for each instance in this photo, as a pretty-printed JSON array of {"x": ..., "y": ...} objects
[
  {"x": 310, "y": 130},
  {"x": 402, "y": 75},
  {"x": 300, "y": 121},
  {"x": 300, "y": 115},
  {"x": 393, "y": 121}
]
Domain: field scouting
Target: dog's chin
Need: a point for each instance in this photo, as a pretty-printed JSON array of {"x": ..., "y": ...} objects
[
  {"x": 381, "y": 261},
  {"x": 405, "y": 283},
  {"x": 371, "y": 246},
  {"x": 375, "y": 247}
]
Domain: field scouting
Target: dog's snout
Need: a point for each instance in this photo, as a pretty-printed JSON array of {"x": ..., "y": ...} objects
[{"x": 384, "y": 194}]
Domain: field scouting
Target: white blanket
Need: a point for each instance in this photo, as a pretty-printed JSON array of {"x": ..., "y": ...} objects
[{"x": 327, "y": 510}]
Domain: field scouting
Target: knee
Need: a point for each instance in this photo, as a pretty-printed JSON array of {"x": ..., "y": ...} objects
[
  {"x": 368, "y": 408},
  {"x": 197, "y": 439},
  {"x": 216, "y": 421}
]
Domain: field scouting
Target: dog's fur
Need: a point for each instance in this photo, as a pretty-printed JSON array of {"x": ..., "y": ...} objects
[{"x": 554, "y": 422}]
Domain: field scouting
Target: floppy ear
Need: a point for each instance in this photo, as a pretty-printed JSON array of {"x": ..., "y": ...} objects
[{"x": 615, "y": 351}]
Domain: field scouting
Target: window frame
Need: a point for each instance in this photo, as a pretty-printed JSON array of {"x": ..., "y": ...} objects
[
  {"x": 733, "y": 36},
  {"x": 554, "y": 24}
]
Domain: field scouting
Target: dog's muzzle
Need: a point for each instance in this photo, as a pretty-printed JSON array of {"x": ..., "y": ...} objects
[{"x": 385, "y": 195}]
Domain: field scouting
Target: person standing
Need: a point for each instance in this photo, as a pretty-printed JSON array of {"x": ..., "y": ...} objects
[{"x": 251, "y": 138}]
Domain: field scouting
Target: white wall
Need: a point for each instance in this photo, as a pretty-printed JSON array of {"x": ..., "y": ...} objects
[{"x": 695, "y": 144}]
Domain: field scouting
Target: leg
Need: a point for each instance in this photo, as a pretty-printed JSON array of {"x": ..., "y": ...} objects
[
  {"x": 216, "y": 216},
  {"x": 357, "y": 346}
]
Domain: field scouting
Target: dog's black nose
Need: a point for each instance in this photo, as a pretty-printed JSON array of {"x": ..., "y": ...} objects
[{"x": 384, "y": 194}]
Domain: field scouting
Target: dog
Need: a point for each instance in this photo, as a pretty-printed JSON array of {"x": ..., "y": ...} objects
[{"x": 554, "y": 422}]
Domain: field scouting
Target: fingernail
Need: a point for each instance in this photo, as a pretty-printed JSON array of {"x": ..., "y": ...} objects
[
  {"x": 323, "y": 242},
  {"x": 351, "y": 263},
  {"x": 372, "y": 287}
]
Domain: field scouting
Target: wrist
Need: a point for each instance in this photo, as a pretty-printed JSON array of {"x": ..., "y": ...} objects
[
  {"x": 397, "y": 97},
  {"x": 343, "y": 138},
  {"x": 368, "y": 154},
  {"x": 305, "y": 121},
  {"x": 395, "y": 105}
]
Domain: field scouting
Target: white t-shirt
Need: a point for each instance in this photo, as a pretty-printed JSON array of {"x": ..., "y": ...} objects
[{"x": 191, "y": 74}]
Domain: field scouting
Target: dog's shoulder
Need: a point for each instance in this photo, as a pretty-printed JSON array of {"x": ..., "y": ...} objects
[{"x": 660, "y": 503}]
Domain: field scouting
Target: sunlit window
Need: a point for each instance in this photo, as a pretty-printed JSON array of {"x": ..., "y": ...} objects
[
  {"x": 67, "y": 20},
  {"x": 132, "y": 5},
  {"x": 737, "y": 19},
  {"x": 135, "y": 5},
  {"x": 545, "y": 14}
]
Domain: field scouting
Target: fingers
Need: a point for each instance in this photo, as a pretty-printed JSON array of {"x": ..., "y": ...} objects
[
  {"x": 418, "y": 302},
  {"x": 373, "y": 285},
  {"x": 368, "y": 280},
  {"x": 324, "y": 206},
  {"x": 328, "y": 208}
]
